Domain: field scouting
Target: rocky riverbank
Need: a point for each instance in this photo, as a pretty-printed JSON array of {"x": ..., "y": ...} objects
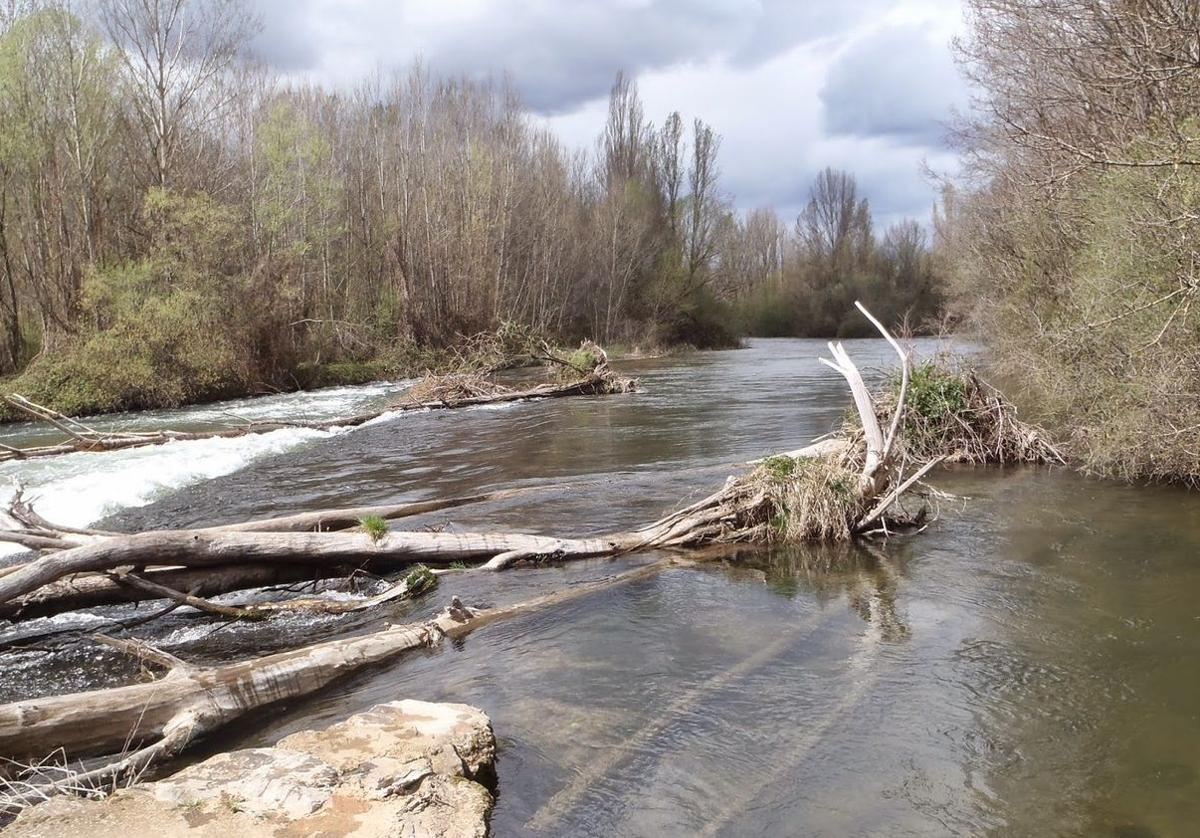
[{"x": 408, "y": 768}]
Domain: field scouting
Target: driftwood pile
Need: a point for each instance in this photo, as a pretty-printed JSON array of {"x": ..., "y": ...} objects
[
  {"x": 839, "y": 488},
  {"x": 433, "y": 392}
]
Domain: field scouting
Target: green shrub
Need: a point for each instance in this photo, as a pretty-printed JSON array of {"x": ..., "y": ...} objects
[{"x": 935, "y": 390}]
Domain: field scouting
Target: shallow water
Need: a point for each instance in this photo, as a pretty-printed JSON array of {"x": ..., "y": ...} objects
[{"x": 1027, "y": 666}]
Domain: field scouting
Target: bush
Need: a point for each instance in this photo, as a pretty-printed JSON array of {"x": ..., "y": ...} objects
[
  {"x": 167, "y": 352},
  {"x": 1087, "y": 299}
]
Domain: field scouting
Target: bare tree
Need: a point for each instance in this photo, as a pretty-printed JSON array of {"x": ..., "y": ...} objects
[
  {"x": 835, "y": 226},
  {"x": 175, "y": 53},
  {"x": 671, "y": 149},
  {"x": 705, "y": 207}
]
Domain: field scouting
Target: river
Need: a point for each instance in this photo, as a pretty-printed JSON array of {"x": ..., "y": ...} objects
[{"x": 1029, "y": 665}]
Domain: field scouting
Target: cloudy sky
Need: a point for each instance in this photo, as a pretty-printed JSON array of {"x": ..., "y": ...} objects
[{"x": 792, "y": 86}]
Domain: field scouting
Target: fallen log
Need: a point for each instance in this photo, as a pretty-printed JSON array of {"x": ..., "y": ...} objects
[
  {"x": 188, "y": 702},
  {"x": 416, "y": 582},
  {"x": 199, "y": 549},
  {"x": 37, "y": 533},
  {"x": 83, "y": 438}
]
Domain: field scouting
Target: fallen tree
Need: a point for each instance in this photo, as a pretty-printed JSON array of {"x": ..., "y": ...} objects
[
  {"x": 85, "y": 590},
  {"x": 433, "y": 392},
  {"x": 160, "y": 718},
  {"x": 219, "y": 559}
]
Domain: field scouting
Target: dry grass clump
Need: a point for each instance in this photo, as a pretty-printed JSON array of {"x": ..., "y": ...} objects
[
  {"x": 808, "y": 499},
  {"x": 451, "y": 388},
  {"x": 952, "y": 412},
  {"x": 509, "y": 346}
]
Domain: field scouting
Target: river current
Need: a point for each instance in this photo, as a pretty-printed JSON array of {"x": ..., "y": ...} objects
[{"x": 1029, "y": 665}]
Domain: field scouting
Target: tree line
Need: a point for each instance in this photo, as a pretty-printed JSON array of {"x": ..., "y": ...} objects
[
  {"x": 177, "y": 223},
  {"x": 1072, "y": 239},
  {"x": 804, "y": 281}
]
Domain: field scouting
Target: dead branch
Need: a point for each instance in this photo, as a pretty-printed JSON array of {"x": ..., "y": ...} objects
[{"x": 413, "y": 584}]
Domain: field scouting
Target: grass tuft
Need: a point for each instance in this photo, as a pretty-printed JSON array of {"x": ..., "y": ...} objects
[
  {"x": 419, "y": 579},
  {"x": 810, "y": 499},
  {"x": 373, "y": 526}
]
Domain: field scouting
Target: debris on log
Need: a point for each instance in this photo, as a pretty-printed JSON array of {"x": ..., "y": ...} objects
[
  {"x": 147, "y": 723},
  {"x": 434, "y": 392},
  {"x": 952, "y": 410}
]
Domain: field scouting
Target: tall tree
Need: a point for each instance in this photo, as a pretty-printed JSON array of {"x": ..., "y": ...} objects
[{"x": 176, "y": 54}]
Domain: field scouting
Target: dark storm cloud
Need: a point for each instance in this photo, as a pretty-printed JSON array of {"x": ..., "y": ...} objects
[
  {"x": 287, "y": 41},
  {"x": 900, "y": 82},
  {"x": 559, "y": 55},
  {"x": 791, "y": 85}
]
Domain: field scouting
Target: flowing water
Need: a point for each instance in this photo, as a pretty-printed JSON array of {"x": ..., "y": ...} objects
[{"x": 1029, "y": 665}]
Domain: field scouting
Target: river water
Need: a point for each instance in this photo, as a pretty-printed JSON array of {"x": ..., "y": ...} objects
[{"x": 1029, "y": 665}]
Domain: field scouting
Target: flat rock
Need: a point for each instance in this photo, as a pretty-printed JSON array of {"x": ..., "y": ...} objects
[{"x": 406, "y": 768}]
